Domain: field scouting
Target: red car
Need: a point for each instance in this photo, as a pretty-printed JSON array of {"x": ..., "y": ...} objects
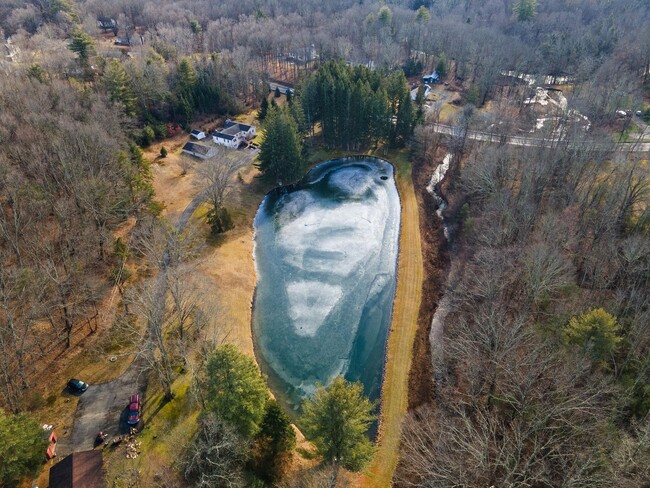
[
  {"x": 51, "y": 447},
  {"x": 134, "y": 410}
]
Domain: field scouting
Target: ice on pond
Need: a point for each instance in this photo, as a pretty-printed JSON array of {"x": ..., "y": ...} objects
[
  {"x": 326, "y": 253},
  {"x": 309, "y": 304},
  {"x": 317, "y": 237}
]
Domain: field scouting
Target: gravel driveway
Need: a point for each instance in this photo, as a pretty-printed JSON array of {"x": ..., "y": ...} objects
[{"x": 104, "y": 407}]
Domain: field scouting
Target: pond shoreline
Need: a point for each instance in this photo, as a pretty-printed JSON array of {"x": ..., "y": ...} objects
[{"x": 272, "y": 329}]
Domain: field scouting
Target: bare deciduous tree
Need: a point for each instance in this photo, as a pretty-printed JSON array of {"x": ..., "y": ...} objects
[
  {"x": 216, "y": 178},
  {"x": 217, "y": 455}
]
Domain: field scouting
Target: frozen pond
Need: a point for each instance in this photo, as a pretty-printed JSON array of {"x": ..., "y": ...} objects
[{"x": 326, "y": 255}]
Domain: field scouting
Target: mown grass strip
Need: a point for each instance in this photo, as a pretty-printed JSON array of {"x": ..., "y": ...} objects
[{"x": 400, "y": 340}]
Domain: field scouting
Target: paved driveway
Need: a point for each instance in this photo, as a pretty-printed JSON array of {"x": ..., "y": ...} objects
[{"x": 104, "y": 407}]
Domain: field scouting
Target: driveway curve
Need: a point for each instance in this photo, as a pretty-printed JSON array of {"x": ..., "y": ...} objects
[{"x": 103, "y": 407}]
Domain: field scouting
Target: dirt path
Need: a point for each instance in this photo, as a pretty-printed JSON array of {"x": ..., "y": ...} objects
[{"x": 400, "y": 341}]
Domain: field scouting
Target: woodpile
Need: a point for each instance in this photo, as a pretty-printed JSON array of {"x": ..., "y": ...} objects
[{"x": 132, "y": 448}]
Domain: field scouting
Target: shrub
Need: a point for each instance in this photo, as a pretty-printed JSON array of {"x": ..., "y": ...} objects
[
  {"x": 147, "y": 136},
  {"x": 595, "y": 331}
]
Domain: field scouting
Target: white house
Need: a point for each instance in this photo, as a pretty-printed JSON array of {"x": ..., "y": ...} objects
[
  {"x": 432, "y": 78},
  {"x": 247, "y": 130},
  {"x": 197, "y": 134},
  {"x": 233, "y": 134},
  {"x": 106, "y": 23},
  {"x": 283, "y": 88},
  {"x": 227, "y": 140}
]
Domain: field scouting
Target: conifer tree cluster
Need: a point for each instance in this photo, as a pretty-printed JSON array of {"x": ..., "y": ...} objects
[
  {"x": 357, "y": 106},
  {"x": 281, "y": 150}
]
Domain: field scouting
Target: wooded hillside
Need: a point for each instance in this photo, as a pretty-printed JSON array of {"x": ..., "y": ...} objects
[
  {"x": 542, "y": 349},
  {"x": 68, "y": 178}
]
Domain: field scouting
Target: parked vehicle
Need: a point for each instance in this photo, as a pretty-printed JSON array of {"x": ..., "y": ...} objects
[
  {"x": 51, "y": 444},
  {"x": 77, "y": 386},
  {"x": 134, "y": 410}
]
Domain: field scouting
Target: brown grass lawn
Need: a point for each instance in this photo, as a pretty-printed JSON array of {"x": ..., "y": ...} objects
[
  {"x": 227, "y": 266},
  {"x": 173, "y": 190}
]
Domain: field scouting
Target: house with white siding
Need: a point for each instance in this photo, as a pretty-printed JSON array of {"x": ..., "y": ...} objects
[
  {"x": 233, "y": 134},
  {"x": 227, "y": 140},
  {"x": 198, "y": 134},
  {"x": 247, "y": 130}
]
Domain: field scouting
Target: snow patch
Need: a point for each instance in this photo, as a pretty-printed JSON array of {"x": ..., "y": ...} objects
[{"x": 309, "y": 304}]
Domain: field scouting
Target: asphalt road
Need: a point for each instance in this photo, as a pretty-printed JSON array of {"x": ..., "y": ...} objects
[
  {"x": 532, "y": 141},
  {"x": 104, "y": 407}
]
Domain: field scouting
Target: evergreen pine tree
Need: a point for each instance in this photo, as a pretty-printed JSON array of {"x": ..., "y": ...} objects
[
  {"x": 235, "y": 389},
  {"x": 337, "y": 419},
  {"x": 280, "y": 153},
  {"x": 36, "y": 71},
  {"x": 116, "y": 83},
  {"x": 186, "y": 81},
  {"x": 441, "y": 66},
  {"x": 297, "y": 113},
  {"x": 405, "y": 120},
  {"x": 264, "y": 108},
  {"x": 82, "y": 45},
  {"x": 22, "y": 448},
  {"x": 525, "y": 9},
  {"x": 274, "y": 443}
]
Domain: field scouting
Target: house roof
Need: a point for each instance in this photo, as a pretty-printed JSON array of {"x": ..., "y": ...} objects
[
  {"x": 197, "y": 132},
  {"x": 231, "y": 130},
  {"x": 224, "y": 135},
  {"x": 197, "y": 148},
  {"x": 78, "y": 470},
  {"x": 230, "y": 123},
  {"x": 106, "y": 21}
]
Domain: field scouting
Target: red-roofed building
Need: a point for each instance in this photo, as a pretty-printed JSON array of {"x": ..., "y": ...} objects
[{"x": 79, "y": 470}]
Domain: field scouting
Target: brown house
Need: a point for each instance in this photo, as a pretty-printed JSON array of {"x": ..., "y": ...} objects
[{"x": 78, "y": 470}]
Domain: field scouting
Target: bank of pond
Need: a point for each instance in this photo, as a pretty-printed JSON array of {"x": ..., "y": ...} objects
[{"x": 326, "y": 253}]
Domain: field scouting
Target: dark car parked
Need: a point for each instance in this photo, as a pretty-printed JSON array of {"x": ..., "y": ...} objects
[
  {"x": 134, "y": 410},
  {"x": 77, "y": 386}
]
